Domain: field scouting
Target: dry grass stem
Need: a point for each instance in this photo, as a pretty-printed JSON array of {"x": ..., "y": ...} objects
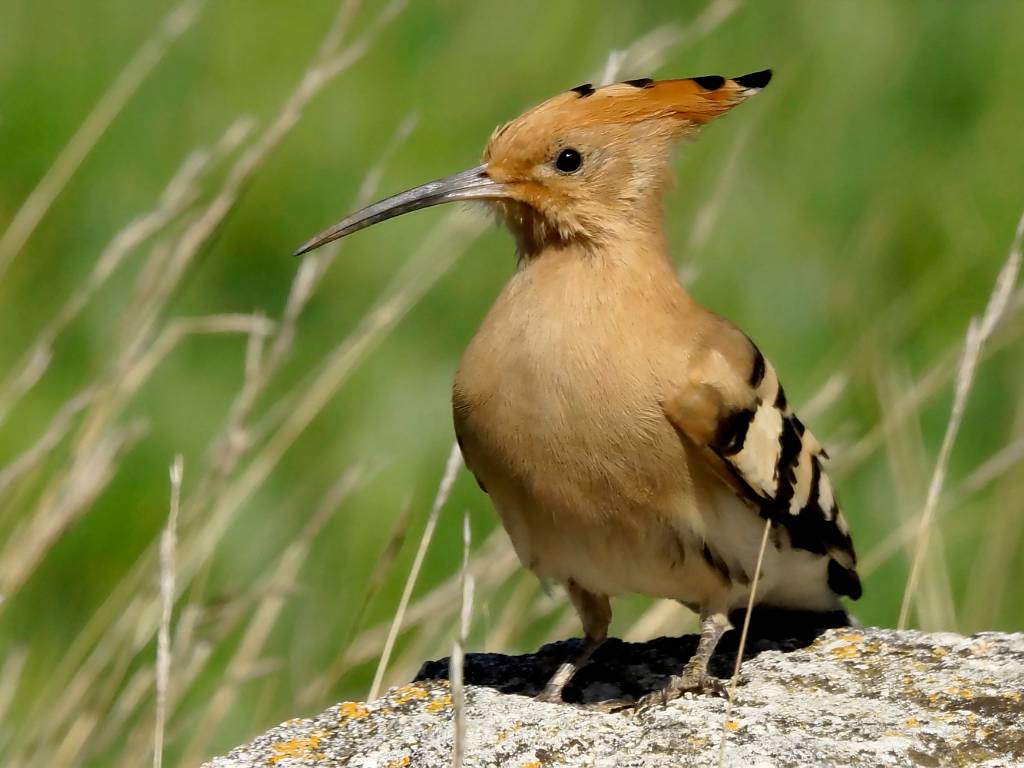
[
  {"x": 978, "y": 333},
  {"x": 168, "y": 543},
  {"x": 451, "y": 471},
  {"x": 743, "y": 643},
  {"x": 455, "y": 663}
]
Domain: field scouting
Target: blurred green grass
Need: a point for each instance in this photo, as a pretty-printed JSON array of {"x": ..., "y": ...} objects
[{"x": 860, "y": 210}]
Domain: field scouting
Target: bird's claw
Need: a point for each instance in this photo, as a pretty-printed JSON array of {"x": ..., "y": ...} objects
[{"x": 700, "y": 683}]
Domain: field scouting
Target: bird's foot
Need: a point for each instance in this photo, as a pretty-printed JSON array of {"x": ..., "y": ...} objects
[{"x": 688, "y": 682}]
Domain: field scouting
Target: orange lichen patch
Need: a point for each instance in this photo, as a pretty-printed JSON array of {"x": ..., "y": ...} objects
[
  {"x": 297, "y": 749},
  {"x": 1014, "y": 696},
  {"x": 933, "y": 698},
  {"x": 962, "y": 692},
  {"x": 848, "y": 651},
  {"x": 732, "y": 725},
  {"x": 940, "y": 652},
  {"x": 354, "y": 710},
  {"x": 852, "y": 645},
  {"x": 533, "y": 764},
  {"x": 913, "y": 722},
  {"x": 408, "y": 693},
  {"x": 438, "y": 704},
  {"x": 401, "y": 762}
]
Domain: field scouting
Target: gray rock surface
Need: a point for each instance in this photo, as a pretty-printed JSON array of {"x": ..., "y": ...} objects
[{"x": 851, "y": 697}]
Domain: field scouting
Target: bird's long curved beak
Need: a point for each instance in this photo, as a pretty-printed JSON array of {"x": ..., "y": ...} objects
[{"x": 473, "y": 184}]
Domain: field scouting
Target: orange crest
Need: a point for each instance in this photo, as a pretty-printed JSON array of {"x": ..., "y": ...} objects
[{"x": 690, "y": 102}]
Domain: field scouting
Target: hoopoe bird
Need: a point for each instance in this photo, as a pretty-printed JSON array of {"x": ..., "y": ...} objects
[{"x": 631, "y": 440}]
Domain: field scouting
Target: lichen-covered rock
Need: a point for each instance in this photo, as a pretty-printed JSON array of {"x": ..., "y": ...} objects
[{"x": 852, "y": 697}]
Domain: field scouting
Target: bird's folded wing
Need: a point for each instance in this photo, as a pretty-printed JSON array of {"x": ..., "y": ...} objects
[{"x": 734, "y": 410}]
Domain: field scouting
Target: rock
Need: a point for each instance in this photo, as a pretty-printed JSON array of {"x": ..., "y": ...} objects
[{"x": 852, "y": 697}]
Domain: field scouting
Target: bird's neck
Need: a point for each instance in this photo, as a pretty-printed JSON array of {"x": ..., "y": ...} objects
[
  {"x": 598, "y": 283},
  {"x": 597, "y": 232},
  {"x": 637, "y": 249}
]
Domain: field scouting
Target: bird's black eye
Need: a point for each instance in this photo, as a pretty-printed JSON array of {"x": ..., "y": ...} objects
[{"x": 568, "y": 161}]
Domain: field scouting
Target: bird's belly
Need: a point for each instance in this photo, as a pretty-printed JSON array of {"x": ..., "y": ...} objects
[
  {"x": 603, "y": 497},
  {"x": 641, "y": 551}
]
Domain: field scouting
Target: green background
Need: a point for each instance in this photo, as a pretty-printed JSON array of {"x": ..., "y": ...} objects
[{"x": 855, "y": 217}]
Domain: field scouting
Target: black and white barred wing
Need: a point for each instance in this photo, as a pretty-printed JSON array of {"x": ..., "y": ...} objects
[{"x": 734, "y": 409}]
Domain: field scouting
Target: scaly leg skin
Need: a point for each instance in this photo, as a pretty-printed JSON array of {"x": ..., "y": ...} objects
[
  {"x": 695, "y": 675},
  {"x": 596, "y": 614}
]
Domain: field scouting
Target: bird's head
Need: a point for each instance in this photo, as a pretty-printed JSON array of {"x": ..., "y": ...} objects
[{"x": 584, "y": 165}]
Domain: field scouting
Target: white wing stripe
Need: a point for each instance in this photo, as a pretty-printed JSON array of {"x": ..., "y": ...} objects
[{"x": 757, "y": 459}]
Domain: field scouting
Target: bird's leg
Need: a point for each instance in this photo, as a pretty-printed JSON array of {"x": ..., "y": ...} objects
[
  {"x": 695, "y": 675},
  {"x": 596, "y": 614}
]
